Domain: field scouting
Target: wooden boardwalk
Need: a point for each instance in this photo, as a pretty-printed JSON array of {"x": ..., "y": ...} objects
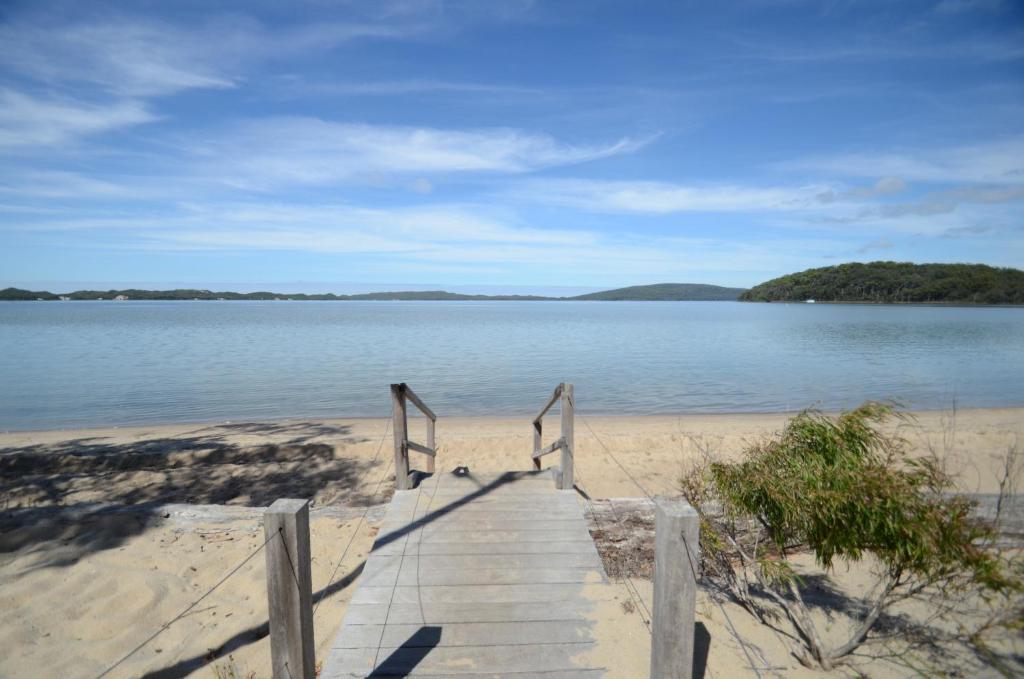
[{"x": 476, "y": 576}]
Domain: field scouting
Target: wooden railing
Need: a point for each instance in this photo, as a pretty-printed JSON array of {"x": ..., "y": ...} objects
[
  {"x": 400, "y": 393},
  {"x": 565, "y": 443}
]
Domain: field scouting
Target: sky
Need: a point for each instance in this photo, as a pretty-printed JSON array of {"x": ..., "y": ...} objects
[{"x": 503, "y": 145}]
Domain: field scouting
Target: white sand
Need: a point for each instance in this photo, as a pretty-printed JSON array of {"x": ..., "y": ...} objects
[{"x": 80, "y": 592}]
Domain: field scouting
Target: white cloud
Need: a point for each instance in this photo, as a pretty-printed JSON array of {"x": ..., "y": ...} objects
[
  {"x": 127, "y": 58},
  {"x": 992, "y": 162},
  {"x": 26, "y": 120},
  {"x": 664, "y": 198},
  {"x": 60, "y": 184},
  {"x": 265, "y": 153}
]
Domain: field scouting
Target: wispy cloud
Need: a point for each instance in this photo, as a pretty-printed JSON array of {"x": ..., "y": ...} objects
[
  {"x": 935, "y": 203},
  {"x": 990, "y": 162},
  {"x": 127, "y": 58},
  {"x": 662, "y": 198},
  {"x": 263, "y": 153},
  {"x": 883, "y": 187},
  {"x": 26, "y": 120}
]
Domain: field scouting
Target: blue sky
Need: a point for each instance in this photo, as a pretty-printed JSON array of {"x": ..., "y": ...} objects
[{"x": 503, "y": 145}]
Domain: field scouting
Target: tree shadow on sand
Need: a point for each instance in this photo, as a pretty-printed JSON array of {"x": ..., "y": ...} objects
[{"x": 71, "y": 498}]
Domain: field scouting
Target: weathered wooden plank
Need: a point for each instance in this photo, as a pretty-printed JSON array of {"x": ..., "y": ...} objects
[
  {"x": 407, "y": 577},
  {"x": 445, "y": 612},
  {"x": 476, "y": 561},
  {"x": 470, "y": 522},
  {"x": 584, "y": 546},
  {"x": 409, "y": 660},
  {"x": 465, "y": 634},
  {"x": 426, "y": 517},
  {"x": 557, "y": 445},
  {"x": 510, "y": 594},
  {"x": 419, "y": 448},
  {"x": 461, "y": 537}
]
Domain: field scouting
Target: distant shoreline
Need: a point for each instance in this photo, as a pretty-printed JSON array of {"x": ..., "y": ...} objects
[
  {"x": 969, "y": 305},
  {"x": 654, "y": 293}
]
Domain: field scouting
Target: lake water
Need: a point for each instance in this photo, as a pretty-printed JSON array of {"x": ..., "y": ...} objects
[{"x": 75, "y": 364}]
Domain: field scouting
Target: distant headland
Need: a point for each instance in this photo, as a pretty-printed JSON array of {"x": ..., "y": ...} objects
[{"x": 674, "y": 292}]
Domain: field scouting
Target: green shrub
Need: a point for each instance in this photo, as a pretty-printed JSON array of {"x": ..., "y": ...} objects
[{"x": 841, "y": 489}]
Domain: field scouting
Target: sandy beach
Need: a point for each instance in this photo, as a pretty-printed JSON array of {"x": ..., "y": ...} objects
[{"x": 108, "y": 534}]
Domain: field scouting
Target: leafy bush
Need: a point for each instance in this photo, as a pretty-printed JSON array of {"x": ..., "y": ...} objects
[{"x": 841, "y": 489}]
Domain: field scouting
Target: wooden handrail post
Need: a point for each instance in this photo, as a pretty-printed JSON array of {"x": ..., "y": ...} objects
[
  {"x": 676, "y": 560},
  {"x": 289, "y": 589},
  {"x": 537, "y": 442},
  {"x": 567, "y": 433},
  {"x": 430, "y": 444},
  {"x": 401, "y": 426}
]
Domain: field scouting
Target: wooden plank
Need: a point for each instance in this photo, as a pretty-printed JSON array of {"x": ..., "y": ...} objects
[
  {"x": 488, "y": 576},
  {"x": 409, "y": 660},
  {"x": 475, "y": 561},
  {"x": 445, "y": 612},
  {"x": 557, "y": 445},
  {"x": 518, "y": 536},
  {"x": 464, "y": 525},
  {"x": 412, "y": 445},
  {"x": 584, "y": 546},
  {"x": 509, "y": 594},
  {"x": 465, "y": 634}
]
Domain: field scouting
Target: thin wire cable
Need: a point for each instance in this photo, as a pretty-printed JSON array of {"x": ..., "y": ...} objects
[
  {"x": 637, "y": 602},
  {"x": 362, "y": 517},
  {"x": 689, "y": 557},
  {"x": 394, "y": 587},
  {"x": 181, "y": 615}
]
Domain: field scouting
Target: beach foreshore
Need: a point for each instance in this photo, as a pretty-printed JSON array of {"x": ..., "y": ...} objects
[{"x": 107, "y": 534}]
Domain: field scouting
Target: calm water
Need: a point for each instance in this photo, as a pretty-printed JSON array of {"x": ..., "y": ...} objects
[{"x": 102, "y": 363}]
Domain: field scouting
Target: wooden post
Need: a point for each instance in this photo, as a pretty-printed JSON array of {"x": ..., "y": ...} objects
[
  {"x": 676, "y": 560},
  {"x": 289, "y": 589},
  {"x": 536, "y": 442},
  {"x": 401, "y": 424},
  {"x": 567, "y": 434},
  {"x": 430, "y": 444}
]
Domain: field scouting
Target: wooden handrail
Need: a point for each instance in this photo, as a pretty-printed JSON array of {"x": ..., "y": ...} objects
[
  {"x": 399, "y": 394},
  {"x": 564, "y": 475},
  {"x": 551, "y": 402},
  {"x": 411, "y": 395},
  {"x": 557, "y": 445},
  {"x": 420, "y": 448}
]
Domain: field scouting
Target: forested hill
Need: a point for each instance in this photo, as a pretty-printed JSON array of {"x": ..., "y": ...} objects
[
  {"x": 666, "y": 292},
  {"x": 895, "y": 282},
  {"x": 662, "y": 292}
]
